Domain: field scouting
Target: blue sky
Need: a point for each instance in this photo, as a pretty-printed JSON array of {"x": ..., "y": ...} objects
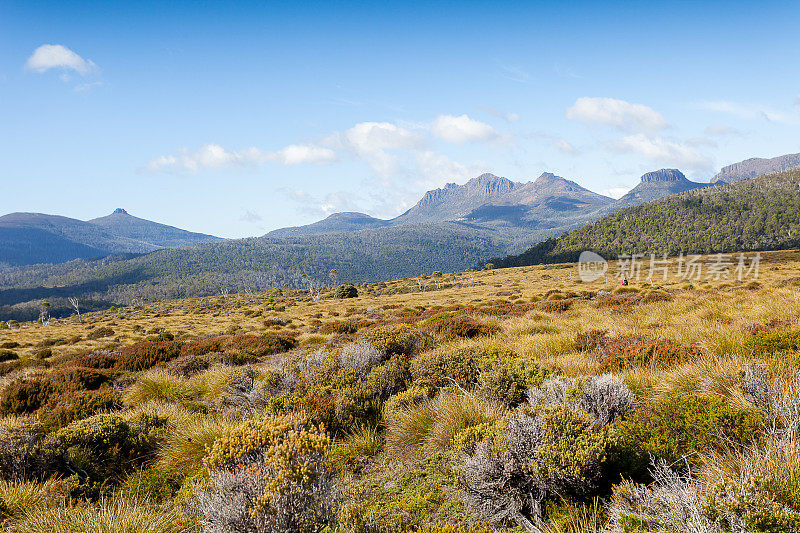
[{"x": 237, "y": 119}]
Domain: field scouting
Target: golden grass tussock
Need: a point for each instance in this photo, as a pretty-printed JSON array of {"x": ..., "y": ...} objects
[
  {"x": 115, "y": 515},
  {"x": 431, "y": 426}
]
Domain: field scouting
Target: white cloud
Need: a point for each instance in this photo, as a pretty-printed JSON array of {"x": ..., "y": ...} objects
[
  {"x": 437, "y": 169},
  {"x": 56, "y": 56},
  {"x": 565, "y": 146},
  {"x": 214, "y": 156},
  {"x": 617, "y": 113},
  {"x": 718, "y": 129},
  {"x": 663, "y": 151},
  {"x": 461, "y": 129},
  {"x": 615, "y": 192}
]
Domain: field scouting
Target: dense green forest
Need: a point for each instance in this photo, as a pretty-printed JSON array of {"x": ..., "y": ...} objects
[
  {"x": 255, "y": 264},
  {"x": 756, "y": 214}
]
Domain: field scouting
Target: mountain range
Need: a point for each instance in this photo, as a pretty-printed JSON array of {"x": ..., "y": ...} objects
[
  {"x": 761, "y": 213},
  {"x": 449, "y": 229},
  {"x": 30, "y": 238}
]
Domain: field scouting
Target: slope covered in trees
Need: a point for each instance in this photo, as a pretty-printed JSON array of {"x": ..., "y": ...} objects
[{"x": 756, "y": 214}]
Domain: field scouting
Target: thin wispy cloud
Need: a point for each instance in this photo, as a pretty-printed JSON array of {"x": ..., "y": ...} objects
[
  {"x": 59, "y": 57},
  {"x": 747, "y": 111},
  {"x": 720, "y": 130},
  {"x": 514, "y": 73},
  {"x": 615, "y": 192},
  {"x": 497, "y": 113},
  {"x": 616, "y": 113}
]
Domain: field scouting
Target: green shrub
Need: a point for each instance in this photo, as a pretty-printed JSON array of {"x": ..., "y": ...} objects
[
  {"x": 269, "y": 471},
  {"x": 25, "y": 396},
  {"x": 100, "y": 333},
  {"x": 507, "y": 380},
  {"x": 406, "y": 399},
  {"x": 684, "y": 426},
  {"x": 156, "y": 485},
  {"x": 389, "y": 378},
  {"x": 396, "y": 339},
  {"x": 440, "y": 368},
  {"x": 773, "y": 342},
  {"x": 345, "y": 291}
]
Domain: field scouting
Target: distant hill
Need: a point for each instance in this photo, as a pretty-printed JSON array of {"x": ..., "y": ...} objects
[
  {"x": 756, "y": 166},
  {"x": 658, "y": 184},
  {"x": 336, "y": 223},
  {"x": 755, "y": 214},
  {"x": 30, "y": 238}
]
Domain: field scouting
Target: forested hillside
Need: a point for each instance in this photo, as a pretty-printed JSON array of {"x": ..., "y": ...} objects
[
  {"x": 756, "y": 214},
  {"x": 257, "y": 264}
]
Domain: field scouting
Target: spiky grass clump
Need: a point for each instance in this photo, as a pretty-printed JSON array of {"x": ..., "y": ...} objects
[
  {"x": 160, "y": 385},
  {"x": 432, "y": 425},
  {"x": 185, "y": 447},
  {"x": 108, "y": 516}
]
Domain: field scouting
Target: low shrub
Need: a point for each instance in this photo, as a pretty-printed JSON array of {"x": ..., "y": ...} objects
[
  {"x": 349, "y": 327},
  {"x": 157, "y": 485},
  {"x": 360, "y": 357},
  {"x": 546, "y": 453},
  {"x": 507, "y": 380},
  {"x": 343, "y": 292},
  {"x": 268, "y": 475},
  {"x": 262, "y": 345},
  {"x": 145, "y": 355},
  {"x": 682, "y": 427},
  {"x": 631, "y": 351},
  {"x": 442, "y": 367},
  {"x": 462, "y": 326},
  {"x": 188, "y": 365},
  {"x": 554, "y": 306},
  {"x": 8, "y": 355},
  {"x": 773, "y": 342},
  {"x": 100, "y": 333},
  {"x": 104, "y": 359},
  {"x": 389, "y": 378},
  {"x": 396, "y": 339}
]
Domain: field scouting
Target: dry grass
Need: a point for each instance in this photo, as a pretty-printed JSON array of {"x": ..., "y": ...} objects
[{"x": 432, "y": 425}]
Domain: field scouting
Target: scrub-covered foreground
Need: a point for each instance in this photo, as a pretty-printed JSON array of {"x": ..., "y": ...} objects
[{"x": 515, "y": 399}]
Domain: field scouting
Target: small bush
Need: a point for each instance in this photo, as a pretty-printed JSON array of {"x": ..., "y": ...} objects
[
  {"x": 188, "y": 365},
  {"x": 554, "y": 306},
  {"x": 145, "y": 355},
  {"x": 632, "y": 351},
  {"x": 682, "y": 427},
  {"x": 268, "y": 475},
  {"x": 100, "y": 333},
  {"x": 440, "y": 368},
  {"x": 345, "y": 291},
  {"x": 462, "y": 326},
  {"x": 395, "y": 339},
  {"x": 8, "y": 355},
  {"x": 773, "y": 342},
  {"x": 360, "y": 357}
]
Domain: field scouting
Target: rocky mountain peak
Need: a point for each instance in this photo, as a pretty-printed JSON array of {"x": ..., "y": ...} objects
[
  {"x": 670, "y": 175},
  {"x": 119, "y": 211}
]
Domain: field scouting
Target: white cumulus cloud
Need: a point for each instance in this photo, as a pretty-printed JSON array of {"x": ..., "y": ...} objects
[
  {"x": 49, "y": 56},
  {"x": 461, "y": 129},
  {"x": 617, "y": 113},
  {"x": 663, "y": 151}
]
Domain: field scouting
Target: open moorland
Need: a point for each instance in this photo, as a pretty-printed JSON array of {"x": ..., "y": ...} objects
[{"x": 507, "y": 399}]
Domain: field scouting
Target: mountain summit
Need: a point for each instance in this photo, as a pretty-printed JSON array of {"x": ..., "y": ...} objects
[
  {"x": 658, "y": 184},
  {"x": 756, "y": 166}
]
